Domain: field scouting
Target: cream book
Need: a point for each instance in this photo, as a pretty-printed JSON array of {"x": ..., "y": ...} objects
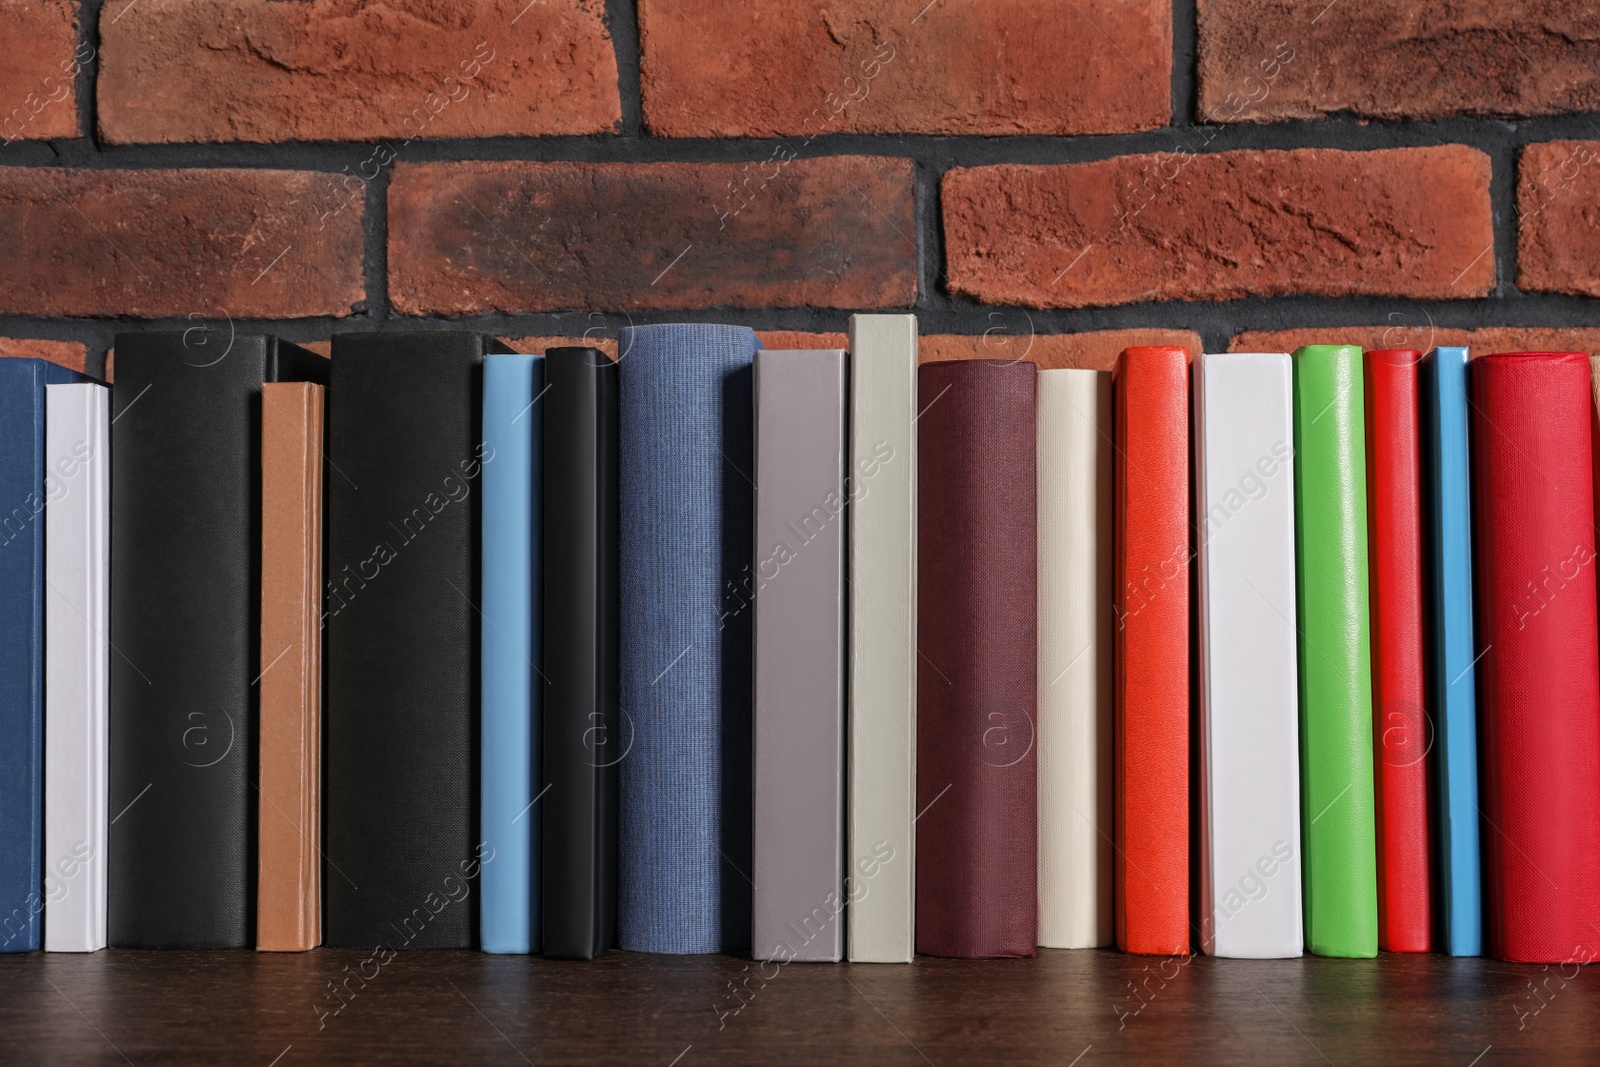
[
  {"x": 76, "y": 568},
  {"x": 879, "y": 876},
  {"x": 1249, "y": 781},
  {"x": 1075, "y": 659}
]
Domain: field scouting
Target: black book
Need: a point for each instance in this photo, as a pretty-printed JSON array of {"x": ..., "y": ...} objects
[
  {"x": 400, "y": 799},
  {"x": 185, "y": 632},
  {"x": 584, "y": 736}
]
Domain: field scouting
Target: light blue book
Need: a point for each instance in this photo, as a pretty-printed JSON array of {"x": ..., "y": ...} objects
[
  {"x": 1447, "y": 479},
  {"x": 512, "y": 421},
  {"x": 686, "y": 471}
]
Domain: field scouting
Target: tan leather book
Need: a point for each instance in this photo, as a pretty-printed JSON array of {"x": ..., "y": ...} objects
[{"x": 289, "y": 882}]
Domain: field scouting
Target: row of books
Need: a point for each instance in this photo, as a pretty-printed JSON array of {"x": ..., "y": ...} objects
[{"x": 817, "y": 654}]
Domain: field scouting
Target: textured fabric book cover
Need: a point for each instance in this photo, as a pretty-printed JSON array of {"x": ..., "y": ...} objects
[
  {"x": 1402, "y": 718},
  {"x": 585, "y": 737},
  {"x": 1540, "y": 672},
  {"x": 23, "y": 497},
  {"x": 879, "y": 857},
  {"x": 977, "y": 586},
  {"x": 1152, "y": 651},
  {"x": 513, "y": 411},
  {"x": 404, "y": 848},
  {"x": 186, "y": 631},
  {"x": 1453, "y": 661},
  {"x": 687, "y": 583},
  {"x": 289, "y": 878},
  {"x": 77, "y": 601},
  {"x": 1340, "y": 870},
  {"x": 799, "y": 903},
  {"x": 1076, "y": 908},
  {"x": 1249, "y": 766}
]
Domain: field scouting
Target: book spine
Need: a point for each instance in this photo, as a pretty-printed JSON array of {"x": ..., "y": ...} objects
[
  {"x": 512, "y": 413},
  {"x": 1152, "y": 651},
  {"x": 404, "y": 851},
  {"x": 882, "y": 480},
  {"x": 1402, "y": 718},
  {"x": 77, "y": 572},
  {"x": 798, "y": 903},
  {"x": 1076, "y": 908},
  {"x": 289, "y": 876},
  {"x": 977, "y": 685},
  {"x": 1539, "y": 691},
  {"x": 1249, "y": 765},
  {"x": 585, "y": 736},
  {"x": 1454, "y": 655},
  {"x": 1341, "y": 881},
  {"x": 687, "y": 584}
]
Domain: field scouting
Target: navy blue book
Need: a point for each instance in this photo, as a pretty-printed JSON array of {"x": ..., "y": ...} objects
[
  {"x": 685, "y": 468},
  {"x": 24, "y": 490}
]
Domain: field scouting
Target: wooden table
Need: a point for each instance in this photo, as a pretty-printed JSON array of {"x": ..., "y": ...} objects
[{"x": 1064, "y": 1008}]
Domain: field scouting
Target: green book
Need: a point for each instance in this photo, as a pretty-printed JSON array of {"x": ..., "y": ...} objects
[{"x": 1330, "y": 480}]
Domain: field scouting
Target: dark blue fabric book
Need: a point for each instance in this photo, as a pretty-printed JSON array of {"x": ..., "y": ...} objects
[
  {"x": 685, "y": 461},
  {"x": 24, "y": 491}
]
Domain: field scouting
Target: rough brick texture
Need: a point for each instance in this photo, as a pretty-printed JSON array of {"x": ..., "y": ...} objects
[
  {"x": 258, "y": 70},
  {"x": 1558, "y": 218},
  {"x": 1096, "y": 350},
  {"x": 737, "y": 68},
  {"x": 1397, "y": 59},
  {"x": 608, "y": 345},
  {"x": 39, "y": 60},
  {"x": 477, "y": 237},
  {"x": 1415, "y": 332},
  {"x": 162, "y": 243},
  {"x": 67, "y": 353},
  {"x": 1411, "y": 222}
]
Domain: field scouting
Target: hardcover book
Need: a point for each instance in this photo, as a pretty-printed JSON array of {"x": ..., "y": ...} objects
[
  {"x": 289, "y": 878},
  {"x": 687, "y": 586},
  {"x": 1152, "y": 651},
  {"x": 404, "y": 847},
  {"x": 77, "y": 599},
  {"x": 1539, "y": 676},
  {"x": 1249, "y": 765},
  {"x": 977, "y": 684},
  {"x": 1336, "y": 738},
  {"x": 798, "y": 902},
  {"x": 513, "y": 410},
  {"x": 1402, "y": 727},
  {"x": 585, "y": 734},
  {"x": 1076, "y": 725},
  {"x": 882, "y": 751},
  {"x": 186, "y": 632}
]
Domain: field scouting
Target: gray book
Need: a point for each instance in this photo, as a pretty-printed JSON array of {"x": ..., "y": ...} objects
[{"x": 798, "y": 585}]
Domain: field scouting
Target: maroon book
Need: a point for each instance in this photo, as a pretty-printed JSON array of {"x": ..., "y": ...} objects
[{"x": 977, "y": 838}]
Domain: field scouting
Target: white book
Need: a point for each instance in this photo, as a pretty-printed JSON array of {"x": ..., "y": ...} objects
[
  {"x": 77, "y": 560},
  {"x": 1076, "y": 905},
  {"x": 880, "y": 882},
  {"x": 1249, "y": 699}
]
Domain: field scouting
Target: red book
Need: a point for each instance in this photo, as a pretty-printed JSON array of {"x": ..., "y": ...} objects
[
  {"x": 1539, "y": 675},
  {"x": 1401, "y": 726},
  {"x": 1152, "y": 651},
  {"x": 977, "y": 686}
]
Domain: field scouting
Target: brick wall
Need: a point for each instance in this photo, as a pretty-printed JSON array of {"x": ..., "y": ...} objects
[{"x": 1052, "y": 179}]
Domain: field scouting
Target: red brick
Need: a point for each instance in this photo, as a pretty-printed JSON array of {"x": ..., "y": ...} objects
[
  {"x": 468, "y": 238},
  {"x": 258, "y": 70},
  {"x": 1411, "y": 222},
  {"x": 736, "y": 68},
  {"x": 608, "y": 345},
  {"x": 38, "y": 74},
  {"x": 1558, "y": 218},
  {"x": 1096, "y": 350},
  {"x": 163, "y": 243},
  {"x": 67, "y": 353},
  {"x": 1414, "y": 331},
  {"x": 1264, "y": 60}
]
